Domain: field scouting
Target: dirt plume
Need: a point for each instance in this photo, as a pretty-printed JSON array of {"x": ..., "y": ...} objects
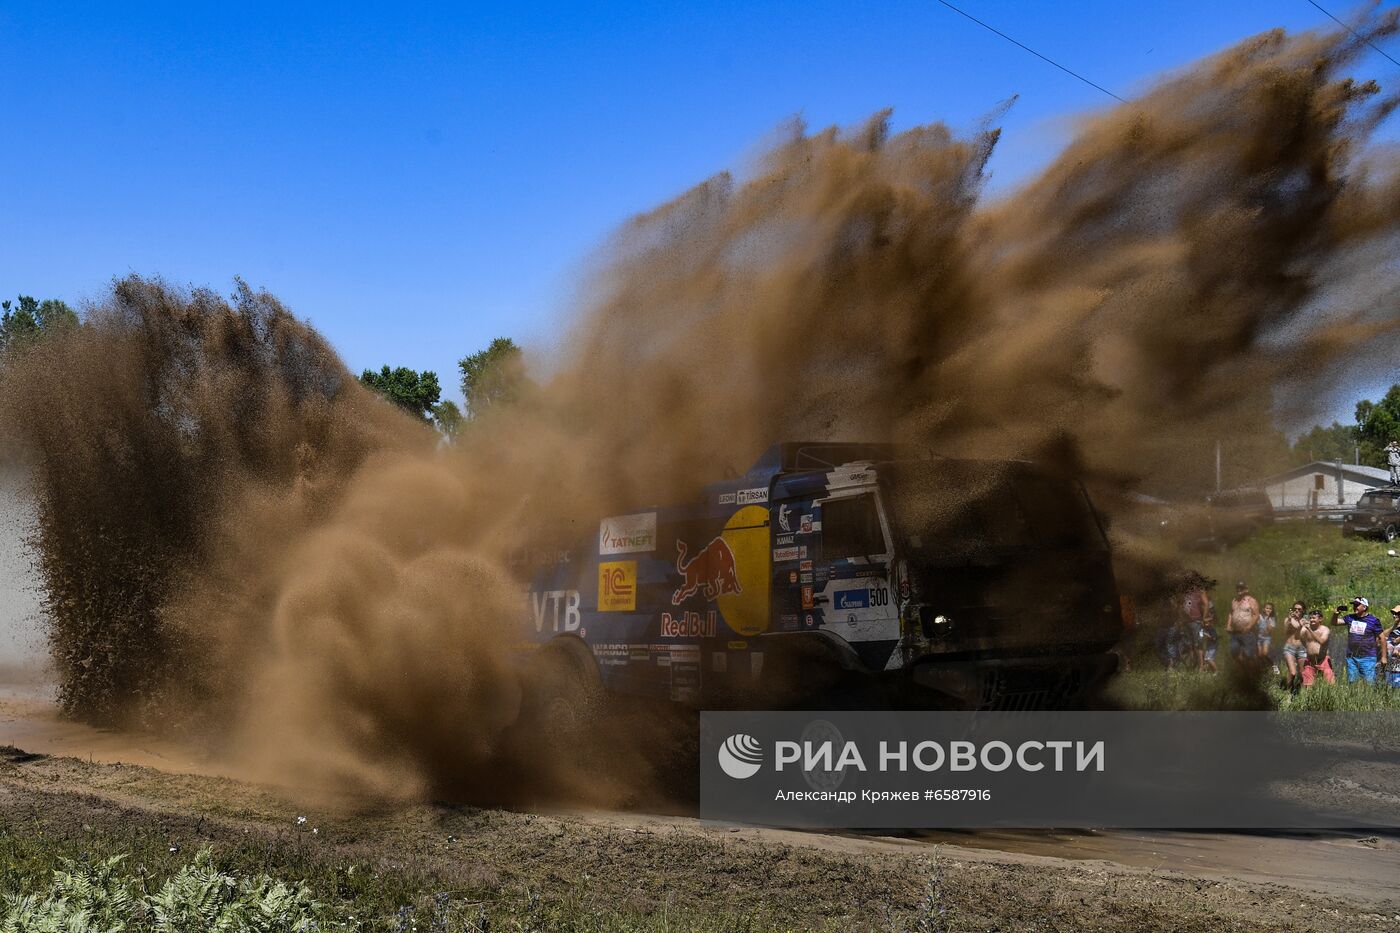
[
  {"x": 1188, "y": 270},
  {"x": 144, "y": 428},
  {"x": 233, "y": 531}
]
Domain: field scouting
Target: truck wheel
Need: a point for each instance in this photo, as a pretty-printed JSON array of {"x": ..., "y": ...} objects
[
  {"x": 809, "y": 676},
  {"x": 562, "y": 698},
  {"x": 1391, "y": 532}
]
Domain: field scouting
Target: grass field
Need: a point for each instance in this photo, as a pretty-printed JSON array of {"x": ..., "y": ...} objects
[
  {"x": 1311, "y": 562},
  {"x": 1157, "y": 689},
  {"x": 48, "y": 884}
]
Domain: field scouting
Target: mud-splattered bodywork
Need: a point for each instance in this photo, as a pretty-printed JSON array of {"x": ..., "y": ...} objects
[{"x": 976, "y": 582}]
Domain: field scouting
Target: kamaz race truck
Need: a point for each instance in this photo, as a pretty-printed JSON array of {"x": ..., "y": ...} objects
[{"x": 834, "y": 570}]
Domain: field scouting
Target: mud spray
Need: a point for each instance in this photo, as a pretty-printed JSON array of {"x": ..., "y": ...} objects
[{"x": 235, "y": 537}]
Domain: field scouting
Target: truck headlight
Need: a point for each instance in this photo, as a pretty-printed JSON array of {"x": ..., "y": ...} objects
[{"x": 934, "y": 624}]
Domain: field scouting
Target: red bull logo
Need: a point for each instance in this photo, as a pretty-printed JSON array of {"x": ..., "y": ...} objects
[
  {"x": 688, "y": 625},
  {"x": 712, "y": 571}
]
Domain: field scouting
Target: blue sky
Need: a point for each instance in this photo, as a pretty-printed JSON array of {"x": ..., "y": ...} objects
[{"x": 416, "y": 179}]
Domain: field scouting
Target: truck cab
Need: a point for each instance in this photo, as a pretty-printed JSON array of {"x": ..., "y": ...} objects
[{"x": 935, "y": 582}]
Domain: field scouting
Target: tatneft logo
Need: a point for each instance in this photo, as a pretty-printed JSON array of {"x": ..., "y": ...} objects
[
  {"x": 740, "y": 756},
  {"x": 627, "y": 534}
]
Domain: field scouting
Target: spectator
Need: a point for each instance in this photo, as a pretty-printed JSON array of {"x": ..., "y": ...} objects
[
  {"x": 1315, "y": 637},
  {"x": 1210, "y": 640},
  {"x": 1364, "y": 641},
  {"x": 1392, "y": 457},
  {"x": 1295, "y": 655},
  {"x": 1244, "y": 626},
  {"x": 1392, "y": 649},
  {"x": 1167, "y": 644},
  {"x": 1196, "y": 605},
  {"x": 1267, "y": 623},
  {"x": 1337, "y": 647}
]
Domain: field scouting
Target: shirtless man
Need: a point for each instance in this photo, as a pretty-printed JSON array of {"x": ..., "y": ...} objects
[
  {"x": 1315, "y": 635},
  {"x": 1244, "y": 626},
  {"x": 1196, "y": 605},
  {"x": 1295, "y": 654}
]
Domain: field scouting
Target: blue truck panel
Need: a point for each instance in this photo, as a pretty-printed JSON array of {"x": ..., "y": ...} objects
[{"x": 686, "y": 603}]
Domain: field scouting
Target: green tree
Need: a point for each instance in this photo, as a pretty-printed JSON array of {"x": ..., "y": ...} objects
[
  {"x": 1377, "y": 424},
  {"x": 448, "y": 418},
  {"x": 493, "y": 377},
  {"x": 414, "y": 392},
  {"x": 1337, "y": 442},
  {"x": 29, "y": 317}
]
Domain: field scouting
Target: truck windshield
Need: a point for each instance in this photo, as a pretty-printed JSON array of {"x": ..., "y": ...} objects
[
  {"x": 851, "y": 528},
  {"x": 952, "y": 511},
  {"x": 1377, "y": 500}
]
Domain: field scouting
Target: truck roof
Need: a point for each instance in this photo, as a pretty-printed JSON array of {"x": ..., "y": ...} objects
[{"x": 791, "y": 456}]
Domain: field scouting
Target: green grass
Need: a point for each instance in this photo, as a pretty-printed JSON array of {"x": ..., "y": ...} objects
[
  {"x": 1156, "y": 689},
  {"x": 331, "y": 895},
  {"x": 1337, "y": 698},
  {"x": 1310, "y": 561}
]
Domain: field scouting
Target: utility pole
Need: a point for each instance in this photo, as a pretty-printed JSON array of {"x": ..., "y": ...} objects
[{"x": 1217, "y": 466}]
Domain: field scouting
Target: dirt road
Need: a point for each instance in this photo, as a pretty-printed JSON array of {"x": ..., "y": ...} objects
[{"x": 74, "y": 781}]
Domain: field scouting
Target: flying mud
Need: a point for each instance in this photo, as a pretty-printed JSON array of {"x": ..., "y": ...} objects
[{"x": 237, "y": 541}]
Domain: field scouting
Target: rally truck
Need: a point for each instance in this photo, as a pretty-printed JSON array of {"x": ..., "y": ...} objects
[{"x": 832, "y": 572}]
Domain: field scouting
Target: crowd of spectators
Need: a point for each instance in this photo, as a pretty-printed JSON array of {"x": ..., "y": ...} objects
[{"x": 1305, "y": 648}]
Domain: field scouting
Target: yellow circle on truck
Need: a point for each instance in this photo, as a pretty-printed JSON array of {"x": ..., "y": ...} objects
[{"x": 746, "y": 533}]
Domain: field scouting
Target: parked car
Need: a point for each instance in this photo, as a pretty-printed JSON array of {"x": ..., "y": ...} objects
[
  {"x": 1239, "y": 513},
  {"x": 1377, "y": 515}
]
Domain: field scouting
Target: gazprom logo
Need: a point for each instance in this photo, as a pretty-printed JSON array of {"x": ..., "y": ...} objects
[{"x": 740, "y": 756}]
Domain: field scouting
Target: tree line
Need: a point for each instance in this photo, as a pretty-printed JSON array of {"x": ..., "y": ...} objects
[
  {"x": 496, "y": 376},
  {"x": 1377, "y": 424},
  {"x": 27, "y": 318},
  {"x": 489, "y": 378}
]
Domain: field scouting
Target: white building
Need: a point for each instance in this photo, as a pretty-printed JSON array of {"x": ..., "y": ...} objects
[{"x": 1321, "y": 486}]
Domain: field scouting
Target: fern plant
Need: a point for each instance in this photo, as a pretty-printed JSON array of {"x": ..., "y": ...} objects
[
  {"x": 99, "y": 898},
  {"x": 200, "y": 899},
  {"x": 82, "y": 898}
]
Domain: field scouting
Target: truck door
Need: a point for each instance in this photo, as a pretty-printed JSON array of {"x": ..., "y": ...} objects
[{"x": 854, "y": 558}]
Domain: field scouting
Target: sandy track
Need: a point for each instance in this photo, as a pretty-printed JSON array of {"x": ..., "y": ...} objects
[{"x": 1093, "y": 881}]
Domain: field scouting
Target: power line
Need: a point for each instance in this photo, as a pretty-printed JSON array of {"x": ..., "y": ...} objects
[
  {"x": 1037, "y": 54},
  {"x": 1354, "y": 33}
]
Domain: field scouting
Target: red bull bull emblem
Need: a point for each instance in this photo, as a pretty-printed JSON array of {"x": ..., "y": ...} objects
[{"x": 712, "y": 570}]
